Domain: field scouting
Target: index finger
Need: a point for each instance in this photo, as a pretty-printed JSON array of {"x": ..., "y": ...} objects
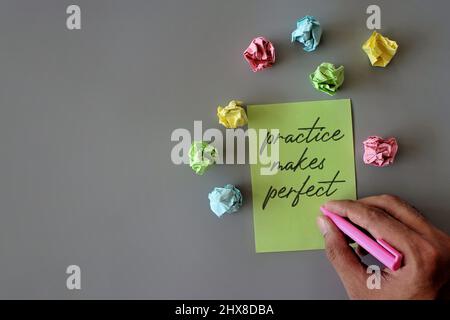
[{"x": 400, "y": 210}]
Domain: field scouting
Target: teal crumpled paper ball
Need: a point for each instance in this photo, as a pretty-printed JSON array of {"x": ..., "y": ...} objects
[
  {"x": 308, "y": 33},
  {"x": 226, "y": 199}
]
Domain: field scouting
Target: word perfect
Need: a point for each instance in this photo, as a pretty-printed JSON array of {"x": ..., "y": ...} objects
[{"x": 307, "y": 189}]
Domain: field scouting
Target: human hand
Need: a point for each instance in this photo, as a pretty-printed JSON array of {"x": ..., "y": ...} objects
[{"x": 426, "y": 249}]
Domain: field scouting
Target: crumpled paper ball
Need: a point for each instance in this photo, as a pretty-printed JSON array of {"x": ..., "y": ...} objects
[
  {"x": 260, "y": 54},
  {"x": 233, "y": 115},
  {"x": 308, "y": 33},
  {"x": 226, "y": 199},
  {"x": 379, "y": 49},
  {"x": 327, "y": 78},
  {"x": 379, "y": 152},
  {"x": 202, "y": 155}
]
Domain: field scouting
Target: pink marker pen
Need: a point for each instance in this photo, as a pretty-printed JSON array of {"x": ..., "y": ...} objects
[{"x": 380, "y": 249}]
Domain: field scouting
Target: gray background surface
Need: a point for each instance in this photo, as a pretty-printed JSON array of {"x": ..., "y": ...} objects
[{"x": 85, "y": 124}]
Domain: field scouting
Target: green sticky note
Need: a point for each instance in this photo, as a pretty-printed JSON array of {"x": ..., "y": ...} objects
[{"x": 315, "y": 164}]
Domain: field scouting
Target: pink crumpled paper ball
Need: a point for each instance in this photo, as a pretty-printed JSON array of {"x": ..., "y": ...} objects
[
  {"x": 379, "y": 152},
  {"x": 260, "y": 54}
]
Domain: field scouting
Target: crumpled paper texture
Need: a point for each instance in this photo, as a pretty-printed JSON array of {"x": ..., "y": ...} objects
[
  {"x": 233, "y": 115},
  {"x": 202, "y": 155},
  {"x": 260, "y": 54},
  {"x": 379, "y": 152},
  {"x": 327, "y": 78},
  {"x": 308, "y": 33},
  {"x": 226, "y": 199},
  {"x": 379, "y": 49}
]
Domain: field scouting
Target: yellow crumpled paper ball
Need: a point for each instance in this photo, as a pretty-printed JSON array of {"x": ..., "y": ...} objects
[
  {"x": 233, "y": 115},
  {"x": 379, "y": 49}
]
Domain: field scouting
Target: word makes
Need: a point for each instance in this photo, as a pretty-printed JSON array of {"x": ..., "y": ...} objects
[{"x": 303, "y": 163}]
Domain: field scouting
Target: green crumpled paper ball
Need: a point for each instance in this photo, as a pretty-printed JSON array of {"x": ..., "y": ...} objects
[
  {"x": 202, "y": 155},
  {"x": 327, "y": 78}
]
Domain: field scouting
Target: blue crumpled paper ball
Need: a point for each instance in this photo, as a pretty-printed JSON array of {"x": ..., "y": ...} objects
[
  {"x": 308, "y": 33},
  {"x": 226, "y": 199}
]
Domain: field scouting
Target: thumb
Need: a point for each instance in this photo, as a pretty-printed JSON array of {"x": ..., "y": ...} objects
[{"x": 341, "y": 255}]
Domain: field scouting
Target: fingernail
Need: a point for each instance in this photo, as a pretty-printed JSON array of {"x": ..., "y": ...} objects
[
  {"x": 332, "y": 206},
  {"x": 327, "y": 204},
  {"x": 323, "y": 225}
]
